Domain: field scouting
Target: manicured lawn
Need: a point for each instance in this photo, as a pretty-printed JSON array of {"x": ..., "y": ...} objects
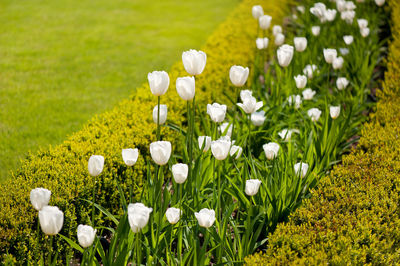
[{"x": 63, "y": 61}]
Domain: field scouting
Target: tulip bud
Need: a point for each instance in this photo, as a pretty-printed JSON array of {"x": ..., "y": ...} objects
[
  {"x": 362, "y": 23},
  {"x": 250, "y": 105},
  {"x": 159, "y": 82},
  {"x": 194, "y": 61},
  {"x": 364, "y": 32},
  {"x": 337, "y": 62},
  {"x": 314, "y": 114},
  {"x": 138, "y": 216},
  {"x": 252, "y": 187},
  {"x": 180, "y": 172},
  {"x": 205, "y": 217},
  {"x": 51, "y": 220},
  {"x": 341, "y": 83},
  {"x": 186, "y": 88},
  {"x": 285, "y": 55},
  {"x": 262, "y": 43},
  {"x": 334, "y": 111},
  {"x": 173, "y": 215},
  {"x": 309, "y": 71},
  {"x": 130, "y": 156},
  {"x": 379, "y": 2},
  {"x": 301, "y": 81},
  {"x": 265, "y": 21},
  {"x": 301, "y": 169},
  {"x": 271, "y": 150},
  {"x": 86, "y": 235},
  {"x": 330, "y": 55},
  {"x": 308, "y": 94},
  {"x": 286, "y": 134},
  {"x": 276, "y": 29},
  {"x": 238, "y": 75},
  {"x": 257, "y": 11},
  {"x": 236, "y": 150},
  {"x": 279, "y": 39},
  {"x": 220, "y": 148},
  {"x": 258, "y": 118},
  {"x": 207, "y": 143},
  {"x": 160, "y": 152},
  {"x": 216, "y": 112},
  {"x": 224, "y": 129},
  {"x": 95, "y": 165},
  {"x": 315, "y": 30},
  {"x": 163, "y": 114},
  {"x": 296, "y": 100},
  {"x": 40, "y": 197},
  {"x": 300, "y": 43},
  {"x": 348, "y": 39}
]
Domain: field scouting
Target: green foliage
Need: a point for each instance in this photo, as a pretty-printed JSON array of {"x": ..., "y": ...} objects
[
  {"x": 63, "y": 169},
  {"x": 353, "y": 217}
]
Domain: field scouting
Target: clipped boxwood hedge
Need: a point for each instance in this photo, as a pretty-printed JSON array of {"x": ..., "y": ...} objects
[
  {"x": 63, "y": 168},
  {"x": 353, "y": 217}
]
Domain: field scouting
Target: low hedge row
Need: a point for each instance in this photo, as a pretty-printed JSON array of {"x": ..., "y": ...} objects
[
  {"x": 63, "y": 169},
  {"x": 353, "y": 217}
]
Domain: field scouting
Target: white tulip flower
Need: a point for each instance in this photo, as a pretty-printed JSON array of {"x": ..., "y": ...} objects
[
  {"x": 285, "y": 55},
  {"x": 220, "y": 148},
  {"x": 315, "y": 30},
  {"x": 262, "y": 43},
  {"x": 294, "y": 100},
  {"x": 40, "y": 197},
  {"x": 186, "y": 88},
  {"x": 244, "y": 94},
  {"x": 236, "y": 150},
  {"x": 160, "y": 152},
  {"x": 330, "y": 14},
  {"x": 344, "y": 51},
  {"x": 130, "y": 156},
  {"x": 180, "y": 172},
  {"x": 138, "y": 216},
  {"x": 163, "y": 114},
  {"x": 250, "y": 105},
  {"x": 238, "y": 75},
  {"x": 159, "y": 82},
  {"x": 265, "y": 21},
  {"x": 330, "y": 55},
  {"x": 301, "y": 81},
  {"x": 51, "y": 220},
  {"x": 194, "y": 61},
  {"x": 350, "y": 5},
  {"x": 301, "y": 9},
  {"x": 252, "y": 187},
  {"x": 338, "y": 62},
  {"x": 334, "y": 111},
  {"x": 341, "y": 5},
  {"x": 286, "y": 134},
  {"x": 257, "y": 11},
  {"x": 364, "y": 32},
  {"x": 205, "y": 217},
  {"x": 86, "y": 235},
  {"x": 216, "y": 112},
  {"x": 207, "y": 143},
  {"x": 348, "y": 39},
  {"x": 301, "y": 169},
  {"x": 348, "y": 16},
  {"x": 258, "y": 118},
  {"x": 314, "y": 114},
  {"x": 300, "y": 43},
  {"x": 173, "y": 215},
  {"x": 379, "y": 2},
  {"x": 309, "y": 71},
  {"x": 95, "y": 165},
  {"x": 271, "y": 150},
  {"x": 226, "y": 129},
  {"x": 308, "y": 94},
  {"x": 319, "y": 10},
  {"x": 279, "y": 39},
  {"x": 276, "y": 29},
  {"x": 341, "y": 83},
  {"x": 362, "y": 23}
]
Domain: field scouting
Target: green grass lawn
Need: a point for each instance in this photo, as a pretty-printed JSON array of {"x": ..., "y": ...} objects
[{"x": 63, "y": 61}]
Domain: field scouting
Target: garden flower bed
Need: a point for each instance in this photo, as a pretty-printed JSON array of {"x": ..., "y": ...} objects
[{"x": 229, "y": 160}]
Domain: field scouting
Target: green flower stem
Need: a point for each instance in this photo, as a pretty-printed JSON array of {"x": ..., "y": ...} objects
[
  {"x": 93, "y": 199},
  {"x": 158, "y": 118}
]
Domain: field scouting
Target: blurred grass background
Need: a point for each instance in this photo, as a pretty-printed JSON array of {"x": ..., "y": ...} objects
[{"x": 61, "y": 62}]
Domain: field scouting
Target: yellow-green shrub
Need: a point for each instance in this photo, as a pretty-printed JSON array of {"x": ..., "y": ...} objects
[
  {"x": 63, "y": 169},
  {"x": 353, "y": 217}
]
